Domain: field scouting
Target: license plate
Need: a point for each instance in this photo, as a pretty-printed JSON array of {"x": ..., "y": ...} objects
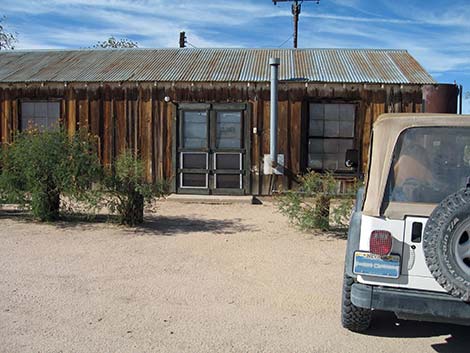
[{"x": 369, "y": 264}]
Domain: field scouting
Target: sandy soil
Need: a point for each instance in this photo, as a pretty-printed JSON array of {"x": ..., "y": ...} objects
[{"x": 195, "y": 278}]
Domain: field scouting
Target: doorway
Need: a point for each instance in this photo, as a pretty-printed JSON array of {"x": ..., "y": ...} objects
[{"x": 212, "y": 151}]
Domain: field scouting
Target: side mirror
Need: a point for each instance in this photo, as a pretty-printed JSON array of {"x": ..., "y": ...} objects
[{"x": 352, "y": 159}]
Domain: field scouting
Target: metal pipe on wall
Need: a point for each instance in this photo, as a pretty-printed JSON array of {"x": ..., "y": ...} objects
[
  {"x": 460, "y": 99},
  {"x": 274, "y": 63}
]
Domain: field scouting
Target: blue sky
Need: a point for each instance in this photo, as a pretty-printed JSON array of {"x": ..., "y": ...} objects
[{"x": 436, "y": 33}]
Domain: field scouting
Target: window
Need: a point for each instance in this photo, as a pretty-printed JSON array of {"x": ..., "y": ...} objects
[
  {"x": 429, "y": 163},
  {"x": 228, "y": 130},
  {"x": 331, "y": 133},
  {"x": 41, "y": 114},
  {"x": 195, "y": 129}
]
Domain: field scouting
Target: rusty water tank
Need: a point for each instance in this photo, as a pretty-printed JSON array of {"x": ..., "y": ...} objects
[{"x": 440, "y": 98}]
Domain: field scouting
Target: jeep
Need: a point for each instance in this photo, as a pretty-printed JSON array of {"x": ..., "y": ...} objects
[{"x": 408, "y": 248}]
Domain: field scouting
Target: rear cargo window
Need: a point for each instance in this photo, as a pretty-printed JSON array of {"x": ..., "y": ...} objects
[{"x": 429, "y": 163}]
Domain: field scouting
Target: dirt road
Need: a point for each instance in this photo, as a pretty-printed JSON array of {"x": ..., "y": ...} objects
[{"x": 195, "y": 278}]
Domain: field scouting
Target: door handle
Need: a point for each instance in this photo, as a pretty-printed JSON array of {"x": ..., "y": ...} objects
[{"x": 416, "y": 232}]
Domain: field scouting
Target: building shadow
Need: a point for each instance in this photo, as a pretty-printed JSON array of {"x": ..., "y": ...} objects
[
  {"x": 332, "y": 234},
  {"x": 387, "y": 325},
  {"x": 172, "y": 225},
  {"x": 154, "y": 224},
  {"x": 65, "y": 220},
  {"x": 338, "y": 233}
]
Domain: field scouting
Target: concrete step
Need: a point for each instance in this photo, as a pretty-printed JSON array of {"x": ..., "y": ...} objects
[{"x": 210, "y": 199}]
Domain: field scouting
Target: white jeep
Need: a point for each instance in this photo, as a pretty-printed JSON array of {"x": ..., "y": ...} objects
[{"x": 408, "y": 248}]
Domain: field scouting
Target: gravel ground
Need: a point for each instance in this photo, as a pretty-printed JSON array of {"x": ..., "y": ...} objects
[{"x": 195, "y": 278}]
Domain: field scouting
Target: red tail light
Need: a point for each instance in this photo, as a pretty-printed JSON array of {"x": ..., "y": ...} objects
[{"x": 381, "y": 242}]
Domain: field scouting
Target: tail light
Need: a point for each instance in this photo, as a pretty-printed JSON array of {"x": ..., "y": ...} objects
[{"x": 381, "y": 242}]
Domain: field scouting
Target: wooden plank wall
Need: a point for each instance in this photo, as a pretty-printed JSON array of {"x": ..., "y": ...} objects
[
  {"x": 137, "y": 117},
  {"x": 120, "y": 118},
  {"x": 293, "y": 123}
]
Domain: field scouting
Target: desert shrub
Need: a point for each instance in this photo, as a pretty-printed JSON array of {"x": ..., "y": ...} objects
[
  {"x": 38, "y": 168},
  {"x": 128, "y": 190},
  {"x": 308, "y": 206}
]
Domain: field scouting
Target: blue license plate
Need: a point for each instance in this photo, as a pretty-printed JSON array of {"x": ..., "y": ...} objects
[{"x": 369, "y": 264}]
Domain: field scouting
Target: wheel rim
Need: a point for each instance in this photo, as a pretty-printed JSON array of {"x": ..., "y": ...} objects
[{"x": 462, "y": 250}]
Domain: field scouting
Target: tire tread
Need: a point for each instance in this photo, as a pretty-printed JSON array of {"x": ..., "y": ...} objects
[
  {"x": 448, "y": 278},
  {"x": 353, "y": 318}
]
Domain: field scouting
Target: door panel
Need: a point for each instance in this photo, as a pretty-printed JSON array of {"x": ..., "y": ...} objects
[
  {"x": 229, "y": 161},
  {"x": 414, "y": 262},
  {"x": 194, "y": 180},
  {"x": 211, "y": 152},
  {"x": 228, "y": 130},
  {"x": 228, "y": 181},
  {"x": 194, "y": 160},
  {"x": 195, "y": 126}
]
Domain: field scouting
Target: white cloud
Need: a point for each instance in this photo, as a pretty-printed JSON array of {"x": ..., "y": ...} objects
[
  {"x": 216, "y": 12},
  {"x": 155, "y": 23},
  {"x": 358, "y": 19},
  {"x": 448, "y": 14}
]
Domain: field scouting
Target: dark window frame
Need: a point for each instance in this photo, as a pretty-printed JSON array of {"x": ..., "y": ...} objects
[
  {"x": 43, "y": 100},
  {"x": 355, "y": 138}
]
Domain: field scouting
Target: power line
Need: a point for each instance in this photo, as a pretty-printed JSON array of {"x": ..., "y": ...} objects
[{"x": 288, "y": 39}]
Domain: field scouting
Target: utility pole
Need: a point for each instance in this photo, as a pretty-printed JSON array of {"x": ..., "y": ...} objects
[
  {"x": 183, "y": 40},
  {"x": 296, "y": 10}
]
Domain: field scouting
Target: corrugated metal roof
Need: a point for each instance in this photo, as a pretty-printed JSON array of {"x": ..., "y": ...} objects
[{"x": 212, "y": 65}]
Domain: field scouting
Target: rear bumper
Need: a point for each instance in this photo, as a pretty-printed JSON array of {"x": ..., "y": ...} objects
[{"x": 412, "y": 304}]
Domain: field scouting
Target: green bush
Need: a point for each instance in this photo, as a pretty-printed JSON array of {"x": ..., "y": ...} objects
[
  {"x": 308, "y": 207},
  {"x": 128, "y": 189},
  {"x": 38, "y": 168}
]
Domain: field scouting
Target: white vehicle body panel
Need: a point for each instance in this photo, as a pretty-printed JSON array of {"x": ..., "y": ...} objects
[{"x": 414, "y": 271}]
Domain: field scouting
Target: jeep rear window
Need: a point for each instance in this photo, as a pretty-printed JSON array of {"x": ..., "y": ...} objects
[{"x": 429, "y": 163}]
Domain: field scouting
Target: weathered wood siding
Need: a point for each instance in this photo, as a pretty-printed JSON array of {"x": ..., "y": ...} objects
[{"x": 137, "y": 117}]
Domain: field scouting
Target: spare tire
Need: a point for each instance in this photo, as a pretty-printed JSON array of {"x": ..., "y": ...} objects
[{"x": 446, "y": 244}]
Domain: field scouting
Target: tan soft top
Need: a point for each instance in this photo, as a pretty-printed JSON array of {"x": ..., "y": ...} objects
[{"x": 386, "y": 132}]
